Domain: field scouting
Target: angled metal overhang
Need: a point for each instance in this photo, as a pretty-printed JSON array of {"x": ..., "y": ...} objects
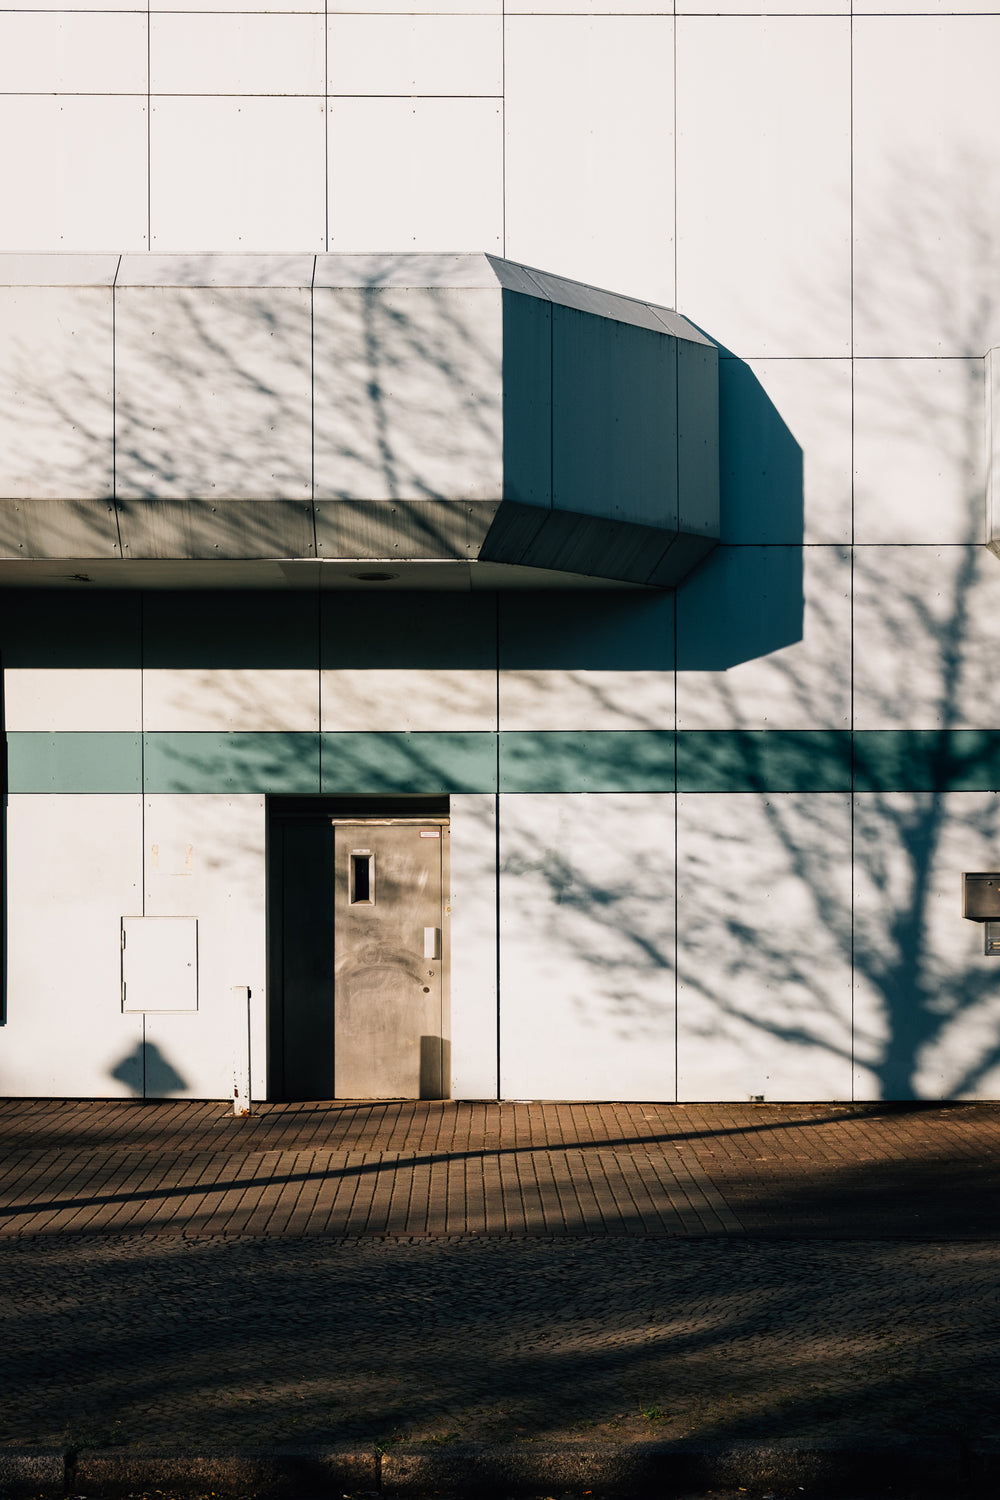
[{"x": 450, "y": 421}]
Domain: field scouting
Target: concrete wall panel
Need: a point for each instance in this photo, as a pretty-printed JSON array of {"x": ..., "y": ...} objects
[
  {"x": 763, "y": 211},
  {"x": 586, "y": 700},
  {"x": 213, "y": 393},
  {"x": 70, "y": 628},
  {"x": 585, "y": 97},
  {"x": 239, "y": 629},
  {"x": 764, "y": 946},
  {"x": 594, "y": 631},
  {"x": 235, "y": 698},
  {"x": 239, "y": 7},
  {"x": 83, "y": 186},
  {"x": 236, "y": 54},
  {"x": 237, "y": 174},
  {"x": 413, "y": 7},
  {"x": 204, "y": 857},
  {"x": 764, "y": 640},
  {"x": 78, "y": 868},
  {"x": 919, "y": 453},
  {"x": 927, "y": 1000},
  {"x": 586, "y": 947},
  {"x": 770, "y": 8},
  {"x": 429, "y": 54},
  {"x": 56, "y": 384},
  {"x": 75, "y": 53},
  {"x": 408, "y": 394},
  {"x": 410, "y": 699},
  {"x": 926, "y": 638},
  {"x": 443, "y": 631},
  {"x": 926, "y": 179},
  {"x": 58, "y": 699},
  {"x": 584, "y": 8},
  {"x": 439, "y": 166}
]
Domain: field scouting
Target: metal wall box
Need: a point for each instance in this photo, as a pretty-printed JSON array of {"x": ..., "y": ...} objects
[
  {"x": 159, "y": 964},
  {"x": 981, "y": 896},
  {"x": 276, "y": 420}
]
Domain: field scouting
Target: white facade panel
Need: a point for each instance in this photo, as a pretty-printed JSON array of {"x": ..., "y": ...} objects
[
  {"x": 409, "y": 397},
  {"x": 584, "y": 8},
  {"x": 765, "y": 8},
  {"x": 764, "y": 640},
  {"x": 584, "y": 699},
  {"x": 919, "y": 451},
  {"x": 237, "y": 174},
  {"x": 77, "y": 866},
  {"x": 239, "y": 7},
  {"x": 56, "y": 382},
  {"x": 763, "y": 209},
  {"x": 204, "y": 855},
  {"x": 926, "y": 638},
  {"x": 59, "y": 699},
  {"x": 213, "y": 393},
  {"x": 473, "y": 904},
  {"x": 586, "y": 947},
  {"x": 786, "y": 450},
  {"x": 927, "y": 7},
  {"x": 927, "y": 999},
  {"x": 83, "y": 186},
  {"x": 926, "y": 178},
  {"x": 79, "y": 5},
  {"x": 198, "y": 699},
  {"x": 439, "y": 167},
  {"x": 764, "y": 946},
  {"x": 420, "y": 699},
  {"x": 429, "y": 54},
  {"x": 73, "y": 53},
  {"x": 414, "y": 7},
  {"x": 236, "y": 54},
  {"x": 586, "y": 96}
]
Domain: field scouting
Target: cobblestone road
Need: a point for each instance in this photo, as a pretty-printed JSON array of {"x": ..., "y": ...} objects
[{"x": 174, "y": 1279}]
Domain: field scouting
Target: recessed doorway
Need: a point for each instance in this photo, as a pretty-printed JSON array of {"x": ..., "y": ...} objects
[{"x": 358, "y": 950}]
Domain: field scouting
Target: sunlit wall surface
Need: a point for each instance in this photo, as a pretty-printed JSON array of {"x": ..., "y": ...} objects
[{"x": 727, "y": 826}]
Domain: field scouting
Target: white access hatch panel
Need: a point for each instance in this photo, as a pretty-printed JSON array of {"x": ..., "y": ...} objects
[{"x": 159, "y": 963}]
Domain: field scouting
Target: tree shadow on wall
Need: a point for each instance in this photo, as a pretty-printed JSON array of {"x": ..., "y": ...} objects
[
  {"x": 608, "y": 658},
  {"x": 824, "y": 934}
]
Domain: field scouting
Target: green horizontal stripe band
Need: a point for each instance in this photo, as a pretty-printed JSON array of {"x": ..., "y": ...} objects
[
  {"x": 235, "y": 762},
  {"x": 813, "y": 760},
  {"x": 419, "y": 762},
  {"x": 610, "y": 760},
  {"x": 74, "y": 762},
  {"x": 926, "y": 760}
]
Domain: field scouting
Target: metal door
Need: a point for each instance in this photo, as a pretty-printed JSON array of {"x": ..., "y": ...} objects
[{"x": 389, "y": 959}]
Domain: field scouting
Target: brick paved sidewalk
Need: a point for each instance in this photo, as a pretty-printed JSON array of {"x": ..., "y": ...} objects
[
  {"x": 441, "y": 1273},
  {"x": 445, "y": 1168}
]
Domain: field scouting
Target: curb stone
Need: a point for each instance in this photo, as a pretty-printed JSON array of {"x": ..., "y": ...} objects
[
  {"x": 269, "y": 1474},
  {"x": 31, "y": 1473},
  {"x": 938, "y": 1466},
  {"x": 658, "y": 1468},
  {"x": 984, "y": 1461}
]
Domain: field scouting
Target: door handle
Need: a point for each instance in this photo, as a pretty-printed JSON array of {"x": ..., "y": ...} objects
[{"x": 431, "y": 942}]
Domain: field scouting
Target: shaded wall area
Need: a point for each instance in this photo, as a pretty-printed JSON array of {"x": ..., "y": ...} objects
[{"x": 677, "y": 908}]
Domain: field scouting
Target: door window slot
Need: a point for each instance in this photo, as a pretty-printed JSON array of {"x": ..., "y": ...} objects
[{"x": 362, "y": 883}]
